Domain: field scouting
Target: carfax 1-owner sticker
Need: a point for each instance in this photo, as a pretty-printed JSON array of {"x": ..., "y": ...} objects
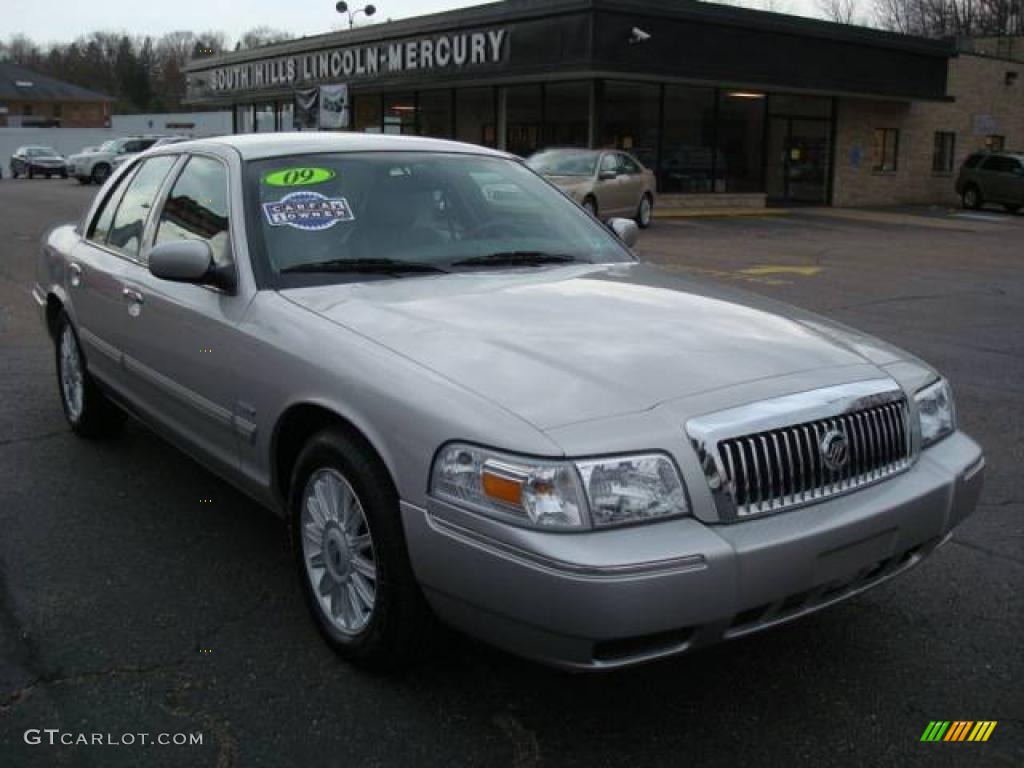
[{"x": 309, "y": 211}]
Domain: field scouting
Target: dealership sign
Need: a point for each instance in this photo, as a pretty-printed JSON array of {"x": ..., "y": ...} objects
[{"x": 452, "y": 51}]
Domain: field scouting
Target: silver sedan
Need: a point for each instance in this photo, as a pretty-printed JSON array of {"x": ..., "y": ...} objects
[
  {"x": 474, "y": 404},
  {"x": 606, "y": 182}
]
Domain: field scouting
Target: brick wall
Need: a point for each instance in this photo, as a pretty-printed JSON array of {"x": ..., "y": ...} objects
[
  {"x": 71, "y": 114},
  {"x": 983, "y": 103}
]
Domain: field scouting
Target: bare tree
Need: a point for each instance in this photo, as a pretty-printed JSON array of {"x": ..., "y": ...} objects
[
  {"x": 260, "y": 36},
  {"x": 951, "y": 18},
  {"x": 840, "y": 11}
]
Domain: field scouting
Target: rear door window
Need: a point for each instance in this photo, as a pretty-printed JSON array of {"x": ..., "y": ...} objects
[
  {"x": 999, "y": 164},
  {"x": 130, "y": 220},
  {"x": 101, "y": 222},
  {"x": 628, "y": 165}
]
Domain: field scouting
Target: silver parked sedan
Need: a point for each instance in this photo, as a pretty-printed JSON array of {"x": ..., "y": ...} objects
[
  {"x": 474, "y": 404},
  {"x": 606, "y": 182}
]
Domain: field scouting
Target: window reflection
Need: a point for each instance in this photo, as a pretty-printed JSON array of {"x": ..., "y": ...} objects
[{"x": 197, "y": 208}]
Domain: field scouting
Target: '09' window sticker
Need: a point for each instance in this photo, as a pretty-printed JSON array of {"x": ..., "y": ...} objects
[
  {"x": 298, "y": 177},
  {"x": 308, "y": 211}
]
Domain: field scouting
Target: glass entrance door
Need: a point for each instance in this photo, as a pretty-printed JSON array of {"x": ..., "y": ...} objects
[{"x": 798, "y": 155}]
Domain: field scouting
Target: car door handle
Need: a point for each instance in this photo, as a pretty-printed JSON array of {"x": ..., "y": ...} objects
[
  {"x": 132, "y": 295},
  {"x": 75, "y": 275}
]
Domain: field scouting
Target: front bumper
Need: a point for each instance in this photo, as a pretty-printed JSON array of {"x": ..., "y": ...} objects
[
  {"x": 52, "y": 169},
  {"x": 615, "y": 598}
]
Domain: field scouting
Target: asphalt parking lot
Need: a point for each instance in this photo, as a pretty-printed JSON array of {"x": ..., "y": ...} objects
[{"x": 129, "y": 605}]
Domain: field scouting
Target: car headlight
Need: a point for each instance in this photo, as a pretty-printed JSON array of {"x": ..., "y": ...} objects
[
  {"x": 936, "y": 412},
  {"x": 559, "y": 495}
]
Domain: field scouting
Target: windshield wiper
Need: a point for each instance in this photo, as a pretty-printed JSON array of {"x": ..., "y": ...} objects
[
  {"x": 518, "y": 258},
  {"x": 366, "y": 266}
]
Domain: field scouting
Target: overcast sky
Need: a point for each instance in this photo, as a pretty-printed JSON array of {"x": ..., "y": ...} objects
[{"x": 63, "y": 20}]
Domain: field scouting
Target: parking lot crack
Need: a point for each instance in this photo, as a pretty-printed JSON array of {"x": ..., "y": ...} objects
[
  {"x": 45, "y": 681},
  {"x": 32, "y": 438},
  {"x": 987, "y": 551}
]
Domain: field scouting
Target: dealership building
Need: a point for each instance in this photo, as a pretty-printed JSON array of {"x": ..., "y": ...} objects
[{"x": 728, "y": 106}]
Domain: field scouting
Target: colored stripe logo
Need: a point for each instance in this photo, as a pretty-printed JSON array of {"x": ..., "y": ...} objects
[{"x": 959, "y": 730}]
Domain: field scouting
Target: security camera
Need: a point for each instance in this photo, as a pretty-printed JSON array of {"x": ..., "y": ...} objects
[{"x": 637, "y": 36}]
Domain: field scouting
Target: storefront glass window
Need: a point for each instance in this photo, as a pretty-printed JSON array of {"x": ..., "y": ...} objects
[
  {"x": 264, "y": 118},
  {"x": 243, "y": 118},
  {"x": 740, "y": 138},
  {"x": 525, "y": 119},
  {"x": 367, "y": 113},
  {"x": 793, "y": 105},
  {"x": 566, "y": 114},
  {"x": 287, "y": 116},
  {"x": 435, "y": 114},
  {"x": 475, "y": 120},
  {"x": 400, "y": 113},
  {"x": 688, "y": 141},
  {"x": 630, "y": 113}
]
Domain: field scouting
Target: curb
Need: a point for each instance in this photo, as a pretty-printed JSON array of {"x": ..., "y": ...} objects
[{"x": 717, "y": 213}]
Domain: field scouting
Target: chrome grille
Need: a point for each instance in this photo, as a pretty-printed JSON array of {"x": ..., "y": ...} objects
[{"x": 782, "y": 468}]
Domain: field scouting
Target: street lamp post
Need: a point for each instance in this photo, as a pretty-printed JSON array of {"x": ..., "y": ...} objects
[{"x": 342, "y": 7}]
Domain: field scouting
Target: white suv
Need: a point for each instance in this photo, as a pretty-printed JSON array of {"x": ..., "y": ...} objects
[{"x": 95, "y": 166}]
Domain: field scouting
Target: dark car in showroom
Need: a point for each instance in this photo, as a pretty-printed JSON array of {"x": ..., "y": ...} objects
[
  {"x": 992, "y": 177},
  {"x": 38, "y": 161}
]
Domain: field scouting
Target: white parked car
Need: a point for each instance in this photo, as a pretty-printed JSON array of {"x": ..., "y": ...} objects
[
  {"x": 129, "y": 156},
  {"x": 95, "y": 166}
]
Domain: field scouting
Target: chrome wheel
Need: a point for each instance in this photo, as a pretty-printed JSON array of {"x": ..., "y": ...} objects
[
  {"x": 72, "y": 383},
  {"x": 338, "y": 551},
  {"x": 646, "y": 211},
  {"x": 971, "y": 198}
]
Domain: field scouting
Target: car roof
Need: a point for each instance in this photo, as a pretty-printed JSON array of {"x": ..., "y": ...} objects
[
  {"x": 1014, "y": 153},
  {"x": 256, "y": 146}
]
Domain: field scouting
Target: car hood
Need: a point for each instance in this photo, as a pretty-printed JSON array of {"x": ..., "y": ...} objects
[
  {"x": 568, "y": 344},
  {"x": 570, "y": 181}
]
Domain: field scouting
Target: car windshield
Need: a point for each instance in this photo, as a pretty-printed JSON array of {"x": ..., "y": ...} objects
[
  {"x": 564, "y": 163},
  {"x": 40, "y": 152},
  {"x": 109, "y": 146},
  {"x": 355, "y": 215}
]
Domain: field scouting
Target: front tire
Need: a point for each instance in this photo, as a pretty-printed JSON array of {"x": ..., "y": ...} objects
[
  {"x": 1012, "y": 209},
  {"x": 590, "y": 205},
  {"x": 88, "y": 411},
  {"x": 31, "y": 173},
  {"x": 645, "y": 212},
  {"x": 972, "y": 198},
  {"x": 350, "y": 552}
]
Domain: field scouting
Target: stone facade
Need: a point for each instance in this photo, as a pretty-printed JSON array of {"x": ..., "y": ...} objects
[{"x": 987, "y": 100}]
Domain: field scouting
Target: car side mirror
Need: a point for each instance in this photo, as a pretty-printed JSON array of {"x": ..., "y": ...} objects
[
  {"x": 626, "y": 230},
  {"x": 607, "y": 175},
  {"x": 189, "y": 261}
]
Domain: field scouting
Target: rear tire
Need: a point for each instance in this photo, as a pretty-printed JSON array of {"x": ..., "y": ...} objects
[
  {"x": 972, "y": 198},
  {"x": 645, "y": 213},
  {"x": 590, "y": 205},
  {"x": 31, "y": 173},
  {"x": 353, "y": 565},
  {"x": 100, "y": 173},
  {"x": 88, "y": 411}
]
